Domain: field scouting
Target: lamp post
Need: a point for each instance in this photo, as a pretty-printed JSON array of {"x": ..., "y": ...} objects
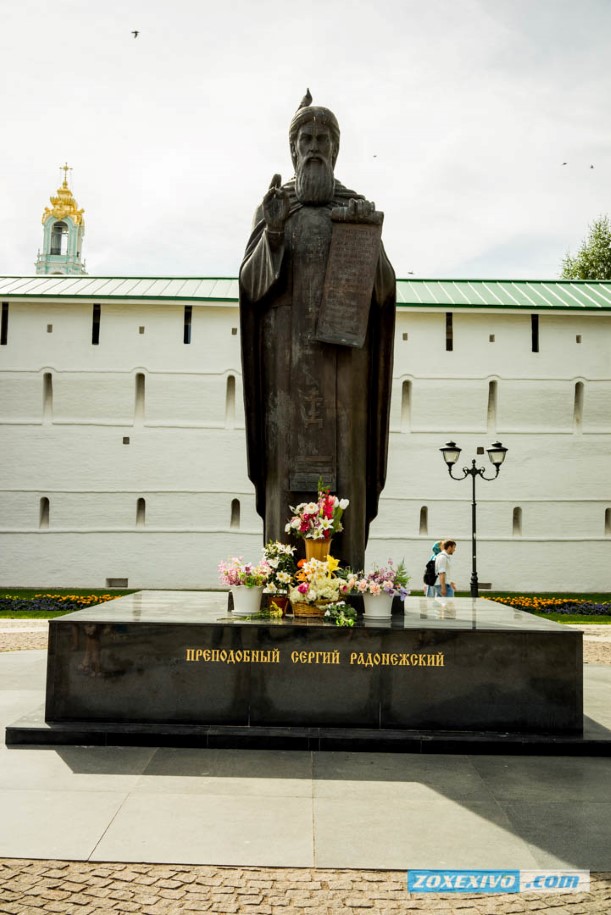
[{"x": 496, "y": 453}]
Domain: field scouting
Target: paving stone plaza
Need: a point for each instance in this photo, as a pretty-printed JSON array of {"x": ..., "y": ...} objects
[{"x": 151, "y": 830}]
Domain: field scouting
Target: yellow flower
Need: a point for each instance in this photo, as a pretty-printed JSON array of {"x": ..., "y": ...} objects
[{"x": 332, "y": 563}]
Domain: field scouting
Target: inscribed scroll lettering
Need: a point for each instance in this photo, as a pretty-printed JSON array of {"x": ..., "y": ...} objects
[{"x": 349, "y": 279}]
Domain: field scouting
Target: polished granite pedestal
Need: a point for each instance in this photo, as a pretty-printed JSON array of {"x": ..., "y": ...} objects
[{"x": 174, "y": 668}]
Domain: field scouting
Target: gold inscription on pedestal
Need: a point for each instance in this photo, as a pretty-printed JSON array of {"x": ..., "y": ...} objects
[
  {"x": 400, "y": 659},
  {"x": 231, "y": 656},
  {"x": 316, "y": 657},
  {"x": 366, "y": 659}
]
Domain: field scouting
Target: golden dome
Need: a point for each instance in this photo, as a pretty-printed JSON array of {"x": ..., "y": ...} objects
[{"x": 64, "y": 204}]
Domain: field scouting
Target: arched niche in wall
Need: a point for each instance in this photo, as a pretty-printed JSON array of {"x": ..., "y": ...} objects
[
  {"x": 139, "y": 398},
  {"x": 43, "y": 518},
  {"x": 406, "y": 405},
  {"x": 517, "y": 522},
  {"x": 578, "y": 406},
  {"x": 47, "y": 397},
  {"x": 423, "y": 526},
  {"x": 230, "y": 401}
]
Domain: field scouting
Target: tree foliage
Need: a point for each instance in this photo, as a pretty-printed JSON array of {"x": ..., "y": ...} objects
[{"x": 593, "y": 260}]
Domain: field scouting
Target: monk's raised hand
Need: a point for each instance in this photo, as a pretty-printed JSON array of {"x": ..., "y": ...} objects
[{"x": 276, "y": 206}]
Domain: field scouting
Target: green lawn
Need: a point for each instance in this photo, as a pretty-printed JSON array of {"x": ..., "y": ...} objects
[
  {"x": 591, "y": 597},
  {"x": 32, "y": 614},
  {"x": 568, "y": 618},
  {"x": 564, "y": 595},
  {"x": 29, "y": 593}
]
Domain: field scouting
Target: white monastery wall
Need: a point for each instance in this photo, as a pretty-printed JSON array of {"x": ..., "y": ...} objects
[{"x": 138, "y": 445}]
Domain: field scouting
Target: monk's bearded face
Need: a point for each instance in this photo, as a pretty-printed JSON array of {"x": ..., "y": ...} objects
[{"x": 314, "y": 181}]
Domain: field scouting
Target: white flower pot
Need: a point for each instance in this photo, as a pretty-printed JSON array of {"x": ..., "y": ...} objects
[
  {"x": 378, "y": 606},
  {"x": 246, "y": 600}
]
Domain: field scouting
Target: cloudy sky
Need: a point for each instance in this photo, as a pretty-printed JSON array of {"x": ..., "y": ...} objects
[{"x": 456, "y": 118}]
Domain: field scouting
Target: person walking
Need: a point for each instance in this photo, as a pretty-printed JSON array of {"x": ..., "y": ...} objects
[
  {"x": 429, "y": 589},
  {"x": 444, "y": 586}
]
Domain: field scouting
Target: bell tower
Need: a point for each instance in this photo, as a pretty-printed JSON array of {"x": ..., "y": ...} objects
[{"x": 64, "y": 229}]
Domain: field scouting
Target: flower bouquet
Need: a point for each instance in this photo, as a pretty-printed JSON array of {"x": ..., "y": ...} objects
[
  {"x": 318, "y": 520},
  {"x": 279, "y": 558},
  {"x": 379, "y": 587},
  {"x": 318, "y": 585},
  {"x": 381, "y": 580},
  {"x": 246, "y": 581},
  {"x": 340, "y": 613},
  {"x": 234, "y": 573}
]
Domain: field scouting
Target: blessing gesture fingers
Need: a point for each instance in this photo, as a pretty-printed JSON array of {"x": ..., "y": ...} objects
[{"x": 276, "y": 207}]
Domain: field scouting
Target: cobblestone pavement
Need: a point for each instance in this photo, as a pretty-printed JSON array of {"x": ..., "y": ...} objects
[
  {"x": 21, "y": 635},
  {"x": 36, "y": 887},
  {"x": 78, "y": 888}
]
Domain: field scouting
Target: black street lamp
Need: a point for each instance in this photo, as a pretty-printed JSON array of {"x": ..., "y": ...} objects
[{"x": 496, "y": 453}]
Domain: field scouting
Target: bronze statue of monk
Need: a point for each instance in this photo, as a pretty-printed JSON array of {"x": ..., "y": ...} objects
[{"x": 314, "y": 409}]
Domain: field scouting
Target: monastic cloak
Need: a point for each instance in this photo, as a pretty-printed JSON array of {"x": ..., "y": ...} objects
[{"x": 313, "y": 410}]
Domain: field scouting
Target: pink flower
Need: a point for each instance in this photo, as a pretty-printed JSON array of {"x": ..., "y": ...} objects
[{"x": 312, "y": 520}]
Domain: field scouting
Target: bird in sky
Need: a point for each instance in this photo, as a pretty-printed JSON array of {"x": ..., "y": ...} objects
[
  {"x": 135, "y": 33},
  {"x": 410, "y": 272},
  {"x": 565, "y": 163},
  {"x": 591, "y": 166}
]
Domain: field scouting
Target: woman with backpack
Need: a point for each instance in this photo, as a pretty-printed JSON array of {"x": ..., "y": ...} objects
[{"x": 429, "y": 570}]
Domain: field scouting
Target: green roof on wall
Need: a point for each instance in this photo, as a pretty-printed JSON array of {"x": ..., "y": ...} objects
[{"x": 530, "y": 295}]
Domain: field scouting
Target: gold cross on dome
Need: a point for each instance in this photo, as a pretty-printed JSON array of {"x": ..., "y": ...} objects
[{"x": 65, "y": 168}]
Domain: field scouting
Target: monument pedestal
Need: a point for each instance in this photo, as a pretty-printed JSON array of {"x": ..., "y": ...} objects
[{"x": 174, "y": 668}]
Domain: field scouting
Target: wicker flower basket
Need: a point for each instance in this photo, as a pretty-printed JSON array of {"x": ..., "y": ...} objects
[{"x": 302, "y": 608}]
